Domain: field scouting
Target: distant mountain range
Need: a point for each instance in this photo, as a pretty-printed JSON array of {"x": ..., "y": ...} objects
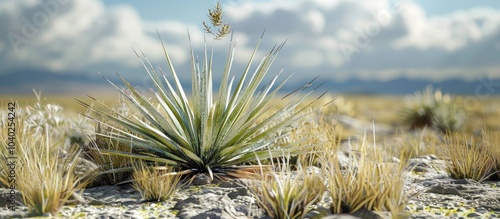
[
  {"x": 23, "y": 82},
  {"x": 403, "y": 86}
]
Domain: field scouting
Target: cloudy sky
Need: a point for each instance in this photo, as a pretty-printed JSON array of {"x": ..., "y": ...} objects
[{"x": 336, "y": 39}]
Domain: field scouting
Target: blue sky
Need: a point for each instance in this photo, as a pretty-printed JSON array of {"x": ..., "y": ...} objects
[{"x": 337, "y": 39}]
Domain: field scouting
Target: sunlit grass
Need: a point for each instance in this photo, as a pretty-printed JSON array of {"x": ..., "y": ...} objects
[
  {"x": 366, "y": 183},
  {"x": 44, "y": 174},
  {"x": 288, "y": 194},
  {"x": 155, "y": 183},
  {"x": 46, "y": 161},
  {"x": 492, "y": 144},
  {"x": 46, "y": 183},
  {"x": 469, "y": 156}
]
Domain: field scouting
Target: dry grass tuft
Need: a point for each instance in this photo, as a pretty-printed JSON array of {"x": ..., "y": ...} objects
[
  {"x": 45, "y": 175},
  {"x": 47, "y": 183},
  {"x": 469, "y": 157},
  {"x": 287, "y": 194},
  {"x": 367, "y": 182},
  {"x": 492, "y": 143},
  {"x": 155, "y": 183},
  {"x": 112, "y": 169},
  {"x": 47, "y": 164},
  {"x": 315, "y": 132}
]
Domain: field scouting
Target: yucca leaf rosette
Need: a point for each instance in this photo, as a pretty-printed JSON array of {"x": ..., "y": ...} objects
[{"x": 207, "y": 132}]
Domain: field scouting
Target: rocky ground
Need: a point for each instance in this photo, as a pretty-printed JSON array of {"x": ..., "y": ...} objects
[{"x": 434, "y": 195}]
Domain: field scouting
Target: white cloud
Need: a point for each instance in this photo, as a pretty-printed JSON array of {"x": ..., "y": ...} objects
[
  {"x": 316, "y": 21},
  {"x": 84, "y": 36},
  {"x": 379, "y": 39},
  {"x": 308, "y": 58},
  {"x": 451, "y": 32},
  {"x": 356, "y": 39}
]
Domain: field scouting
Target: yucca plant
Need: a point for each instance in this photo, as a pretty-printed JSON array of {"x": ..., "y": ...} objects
[
  {"x": 288, "y": 194},
  {"x": 433, "y": 109},
  {"x": 207, "y": 133},
  {"x": 448, "y": 117},
  {"x": 155, "y": 183}
]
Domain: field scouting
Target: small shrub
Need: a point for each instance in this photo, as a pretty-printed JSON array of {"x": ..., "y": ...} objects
[
  {"x": 155, "y": 183},
  {"x": 433, "y": 109},
  {"x": 41, "y": 116}
]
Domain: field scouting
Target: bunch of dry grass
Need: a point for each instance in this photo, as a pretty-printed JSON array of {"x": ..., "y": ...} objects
[
  {"x": 45, "y": 174},
  {"x": 45, "y": 169},
  {"x": 337, "y": 105},
  {"x": 316, "y": 131},
  {"x": 155, "y": 183},
  {"x": 287, "y": 194},
  {"x": 472, "y": 158},
  {"x": 109, "y": 164},
  {"x": 366, "y": 183},
  {"x": 47, "y": 183},
  {"x": 492, "y": 143}
]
